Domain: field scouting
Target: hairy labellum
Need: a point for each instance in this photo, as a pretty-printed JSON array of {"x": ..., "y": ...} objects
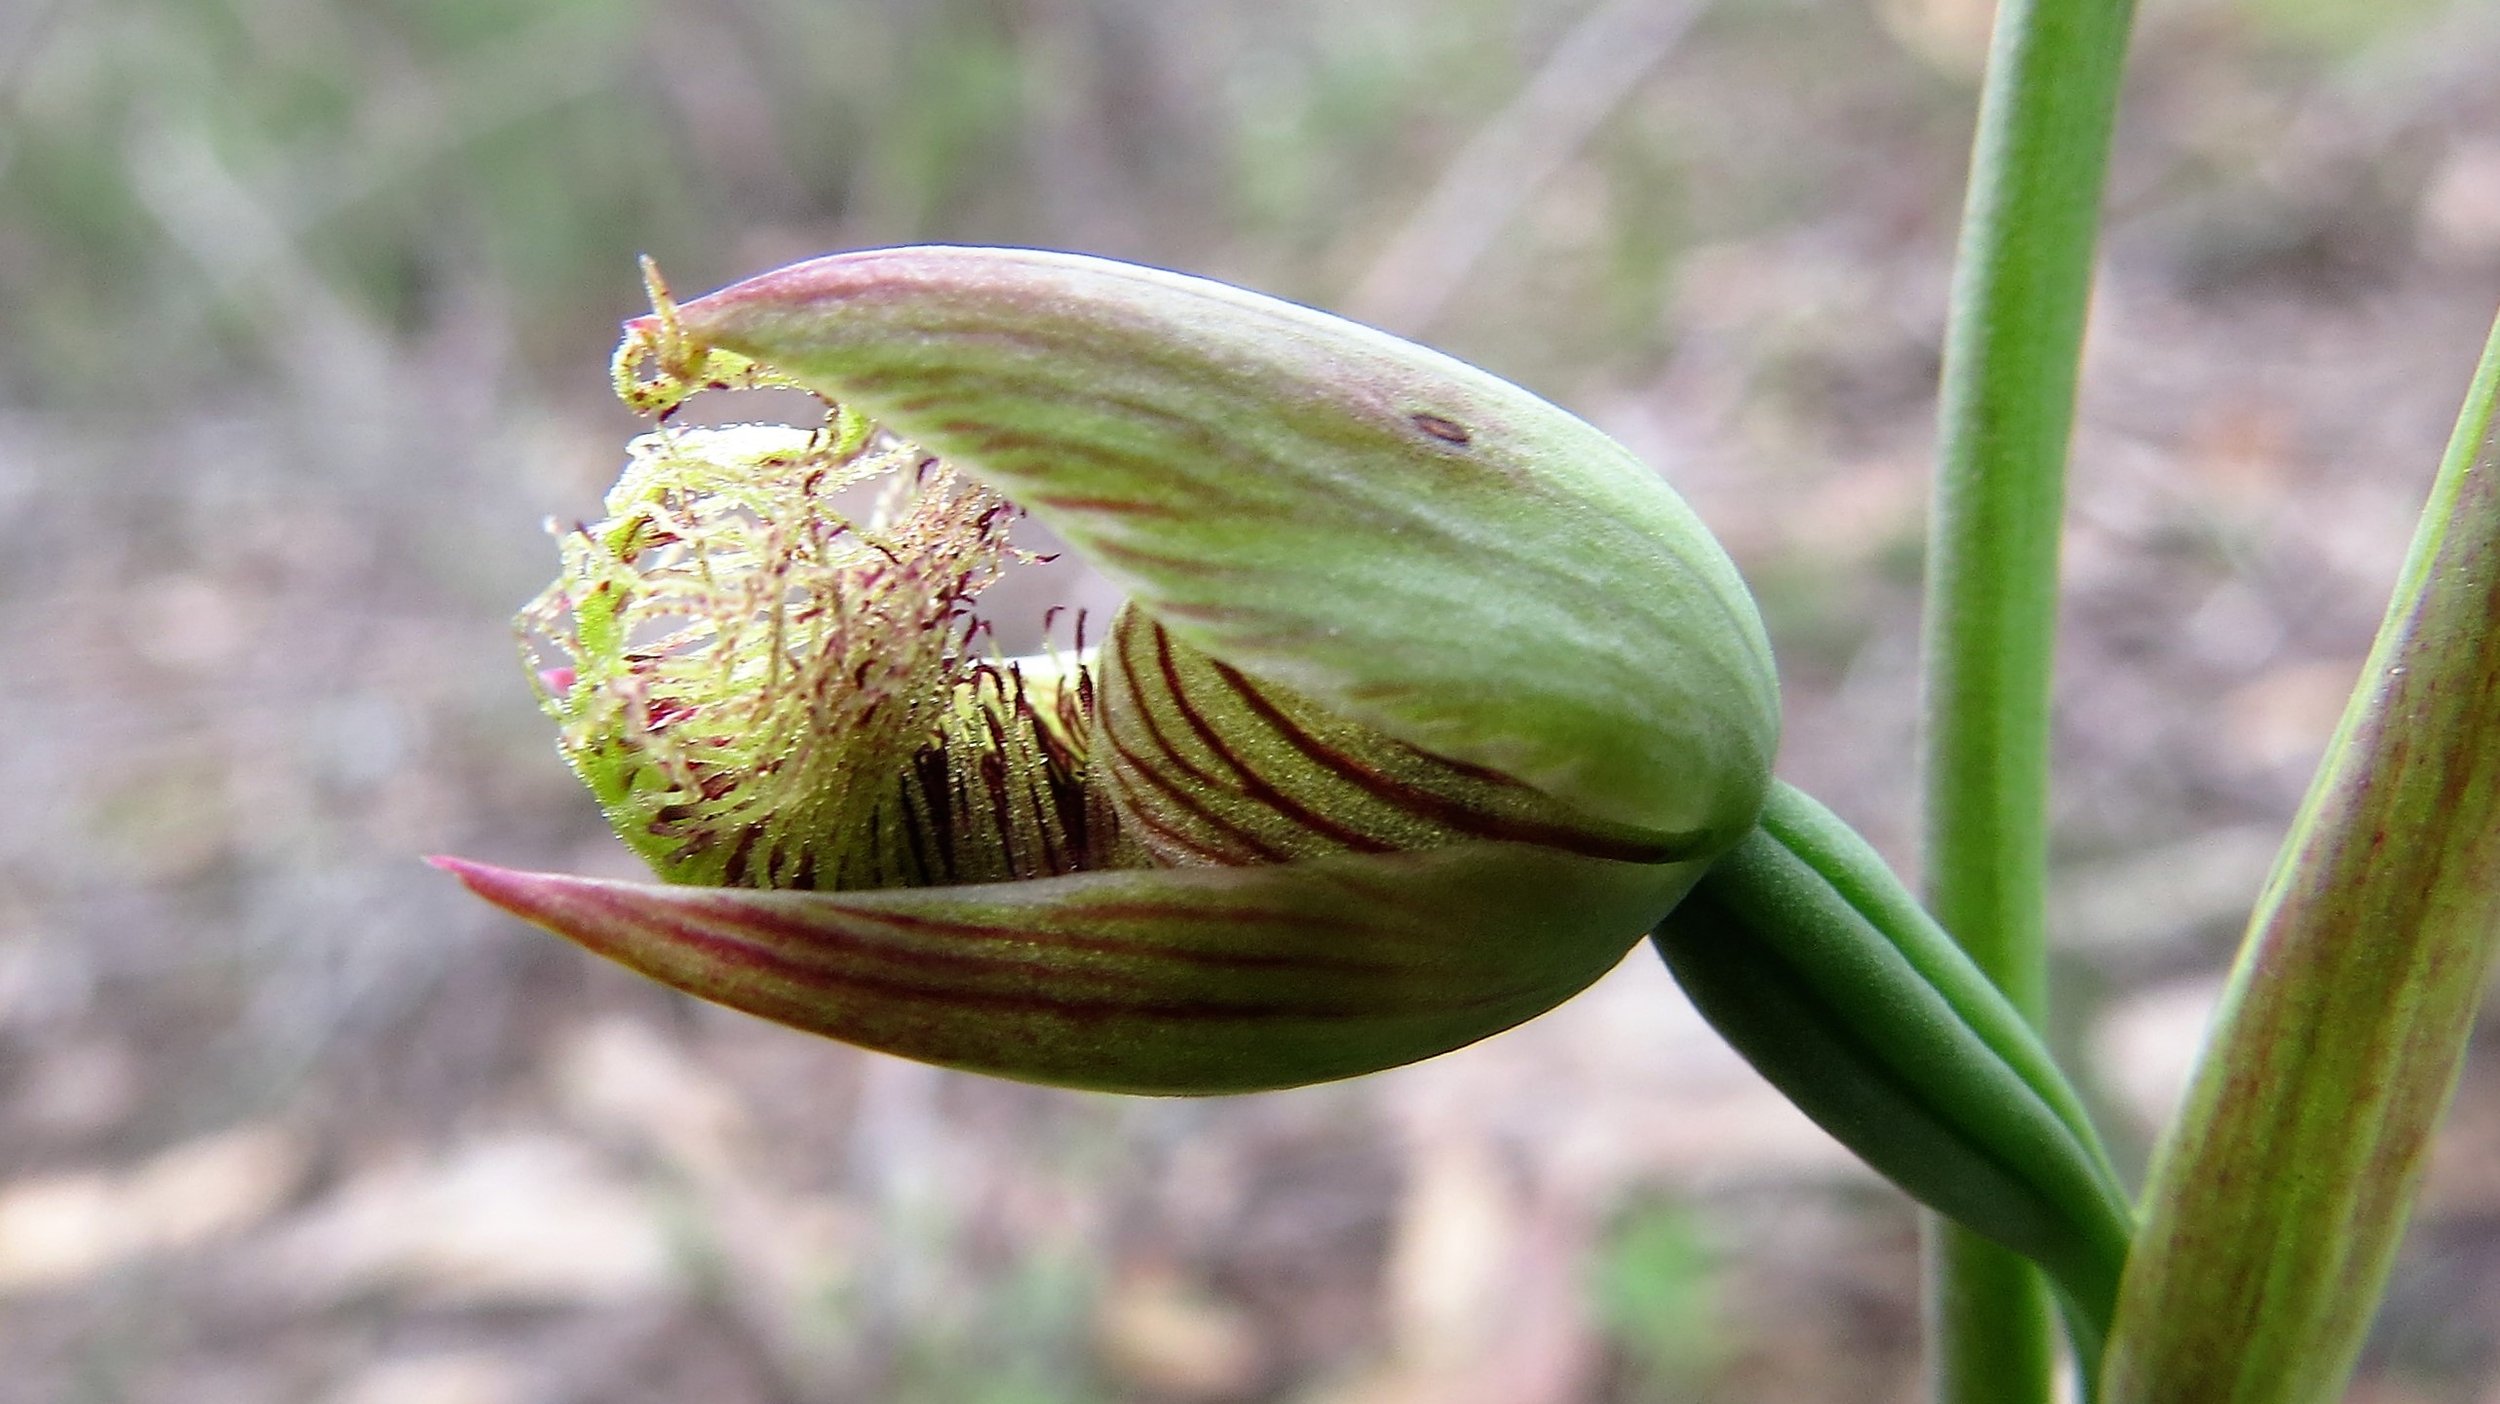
[{"x": 764, "y": 691}]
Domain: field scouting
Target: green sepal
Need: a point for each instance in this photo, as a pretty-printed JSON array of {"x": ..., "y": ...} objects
[
  {"x": 1170, "y": 981},
  {"x": 1411, "y": 542}
]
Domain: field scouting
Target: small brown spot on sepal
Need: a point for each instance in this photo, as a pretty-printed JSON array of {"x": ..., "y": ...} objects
[{"x": 1448, "y": 431}]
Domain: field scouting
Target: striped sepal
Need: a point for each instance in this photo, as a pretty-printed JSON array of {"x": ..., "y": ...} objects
[{"x": 1191, "y": 980}]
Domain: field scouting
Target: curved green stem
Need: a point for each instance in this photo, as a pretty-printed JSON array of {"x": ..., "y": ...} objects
[
  {"x": 2023, "y": 275},
  {"x": 1809, "y": 957}
]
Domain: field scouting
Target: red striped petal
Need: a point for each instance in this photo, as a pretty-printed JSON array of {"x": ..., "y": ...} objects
[{"x": 1196, "y": 980}]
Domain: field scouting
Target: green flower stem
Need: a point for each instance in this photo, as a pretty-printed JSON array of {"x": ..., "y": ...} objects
[
  {"x": 2280, "y": 1196},
  {"x": 2023, "y": 276},
  {"x": 1805, "y": 952}
]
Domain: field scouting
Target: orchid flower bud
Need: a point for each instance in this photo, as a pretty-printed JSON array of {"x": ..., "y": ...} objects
[{"x": 1427, "y": 702}]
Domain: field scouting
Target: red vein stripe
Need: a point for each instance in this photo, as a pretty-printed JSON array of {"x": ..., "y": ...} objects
[
  {"x": 1109, "y": 506},
  {"x": 887, "y": 938},
  {"x": 1043, "y": 456},
  {"x": 726, "y": 950},
  {"x": 1430, "y": 804},
  {"x": 1166, "y": 564},
  {"x": 582, "y": 908},
  {"x": 1129, "y": 779},
  {"x": 731, "y": 946},
  {"x": 1136, "y": 766},
  {"x": 1253, "y": 784},
  {"x": 963, "y": 391}
]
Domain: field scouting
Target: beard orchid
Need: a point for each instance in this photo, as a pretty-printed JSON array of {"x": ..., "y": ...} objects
[{"x": 1427, "y": 701}]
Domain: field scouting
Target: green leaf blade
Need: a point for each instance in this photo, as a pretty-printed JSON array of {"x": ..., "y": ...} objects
[{"x": 2280, "y": 1197}]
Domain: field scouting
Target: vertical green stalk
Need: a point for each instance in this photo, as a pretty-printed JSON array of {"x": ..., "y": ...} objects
[{"x": 2022, "y": 281}]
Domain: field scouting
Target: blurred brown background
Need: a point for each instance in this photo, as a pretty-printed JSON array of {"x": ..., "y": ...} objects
[{"x": 307, "y": 308}]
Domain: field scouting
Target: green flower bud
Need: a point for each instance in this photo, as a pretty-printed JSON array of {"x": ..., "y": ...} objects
[{"x": 1428, "y": 701}]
